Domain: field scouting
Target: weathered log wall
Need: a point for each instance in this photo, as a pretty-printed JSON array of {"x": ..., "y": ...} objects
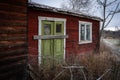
[{"x": 13, "y": 39}]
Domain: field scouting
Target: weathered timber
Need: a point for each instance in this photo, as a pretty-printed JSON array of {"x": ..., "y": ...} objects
[
  {"x": 13, "y": 14},
  {"x": 12, "y": 8},
  {"x": 15, "y": 2},
  {"x": 10, "y": 60},
  {"x": 13, "y": 39},
  {"x": 12, "y": 22},
  {"x": 50, "y": 36},
  {"x": 11, "y": 17},
  {"x": 7, "y": 45},
  {"x": 13, "y": 53},
  {"x": 12, "y": 30}
]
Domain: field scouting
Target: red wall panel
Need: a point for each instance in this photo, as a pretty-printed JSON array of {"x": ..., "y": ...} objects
[{"x": 72, "y": 24}]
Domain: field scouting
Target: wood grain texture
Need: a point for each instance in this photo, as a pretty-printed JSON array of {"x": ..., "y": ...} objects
[{"x": 13, "y": 39}]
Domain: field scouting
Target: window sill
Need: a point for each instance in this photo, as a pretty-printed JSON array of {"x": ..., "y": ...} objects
[{"x": 84, "y": 42}]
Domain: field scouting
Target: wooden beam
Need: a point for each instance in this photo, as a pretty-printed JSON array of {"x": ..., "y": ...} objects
[{"x": 50, "y": 36}]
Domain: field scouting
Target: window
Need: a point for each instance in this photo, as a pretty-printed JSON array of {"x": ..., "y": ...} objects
[
  {"x": 85, "y": 32},
  {"x": 58, "y": 28},
  {"x": 47, "y": 28}
]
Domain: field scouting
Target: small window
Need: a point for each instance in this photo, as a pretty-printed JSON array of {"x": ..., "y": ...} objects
[
  {"x": 85, "y": 32},
  {"x": 58, "y": 28}
]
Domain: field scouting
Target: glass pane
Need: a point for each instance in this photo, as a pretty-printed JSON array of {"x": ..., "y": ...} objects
[
  {"x": 87, "y": 32},
  {"x": 82, "y": 32},
  {"x": 58, "y": 28},
  {"x": 47, "y": 29}
]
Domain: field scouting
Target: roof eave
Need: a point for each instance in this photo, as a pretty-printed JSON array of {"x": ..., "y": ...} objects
[{"x": 52, "y": 9}]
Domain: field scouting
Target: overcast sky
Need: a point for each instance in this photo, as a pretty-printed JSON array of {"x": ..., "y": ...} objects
[{"x": 57, "y": 3}]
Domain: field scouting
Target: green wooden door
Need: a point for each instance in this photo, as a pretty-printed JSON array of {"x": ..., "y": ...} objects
[
  {"x": 52, "y": 49},
  {"x": 47, "y": 49},
  {"x": 58, "y": 43}
]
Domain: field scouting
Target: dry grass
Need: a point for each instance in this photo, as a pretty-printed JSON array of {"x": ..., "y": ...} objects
[
  {"x": 98, "y": 64},
  {"x": 95, "y": 65}
]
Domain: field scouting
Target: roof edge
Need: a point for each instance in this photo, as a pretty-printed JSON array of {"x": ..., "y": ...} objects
[{"x": 61, "y": 11}]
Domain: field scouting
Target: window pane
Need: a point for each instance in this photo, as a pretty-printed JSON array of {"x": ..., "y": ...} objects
[
  {"x": 87, "y": 32},
  {"x": 47, "y": 29},
  {"x": 82, "y": 32},
  {"x": 58, "y": 28}
]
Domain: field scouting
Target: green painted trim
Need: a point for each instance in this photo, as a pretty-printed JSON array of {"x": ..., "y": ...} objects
[{"x": 59, "y": 22}]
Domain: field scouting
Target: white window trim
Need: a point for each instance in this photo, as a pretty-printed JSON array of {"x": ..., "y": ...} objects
[
  {"x": 40, "y": 18},
  {"x": 86, "y": 41}
]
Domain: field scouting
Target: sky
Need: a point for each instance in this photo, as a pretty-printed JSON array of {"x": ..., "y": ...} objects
[{"x": 57, "y": 3}]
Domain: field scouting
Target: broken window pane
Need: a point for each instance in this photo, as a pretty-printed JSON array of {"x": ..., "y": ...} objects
[
  {"x": 47, "y": 29},
  {"x": 58, "y": 28}
]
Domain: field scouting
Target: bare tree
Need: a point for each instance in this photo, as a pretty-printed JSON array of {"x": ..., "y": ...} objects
[
  {"x": 77, "y": 5},
  {"x": 109, "y": 9}
]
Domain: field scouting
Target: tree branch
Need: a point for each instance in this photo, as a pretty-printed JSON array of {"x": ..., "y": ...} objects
[
  {"x": 118, "y": 11},
  {"x": 100, "y": 2},
  {"x": 104, "y": 14},
  {"x": 112, "y": 15},
  {"x": 111, "y": 3},
  {"x": 108, "y": 16}
]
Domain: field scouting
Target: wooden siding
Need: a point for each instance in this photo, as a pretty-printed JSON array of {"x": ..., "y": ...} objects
[
  {"x": 13, "y": 39},
  {"x": 72, "y": 24}
]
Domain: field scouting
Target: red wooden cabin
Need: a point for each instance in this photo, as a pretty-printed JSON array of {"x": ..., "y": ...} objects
[{"x": 60, "y": 33}]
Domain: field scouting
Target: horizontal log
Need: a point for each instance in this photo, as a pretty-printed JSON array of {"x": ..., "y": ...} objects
[
  {"x": 50, "y": 36},
  {"x": 12, "y": 23},
  {"x": 12, "y": 8},
  {"x": 13, "y": 14},
  {"x": 13, "y": 30},
  {"x": 12, "y": 38},
  {"x": 11, "y": 35},
  {"x": 12, "y": 59},
  {"x": 14, "y": 2},
  {"x": 8, "y": 44},
  {"x": 5, "y": 16},
  {"x": 16, "y": 52}
]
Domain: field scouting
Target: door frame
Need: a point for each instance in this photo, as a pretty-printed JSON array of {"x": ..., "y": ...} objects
[{"x": 40, "y": 18}]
